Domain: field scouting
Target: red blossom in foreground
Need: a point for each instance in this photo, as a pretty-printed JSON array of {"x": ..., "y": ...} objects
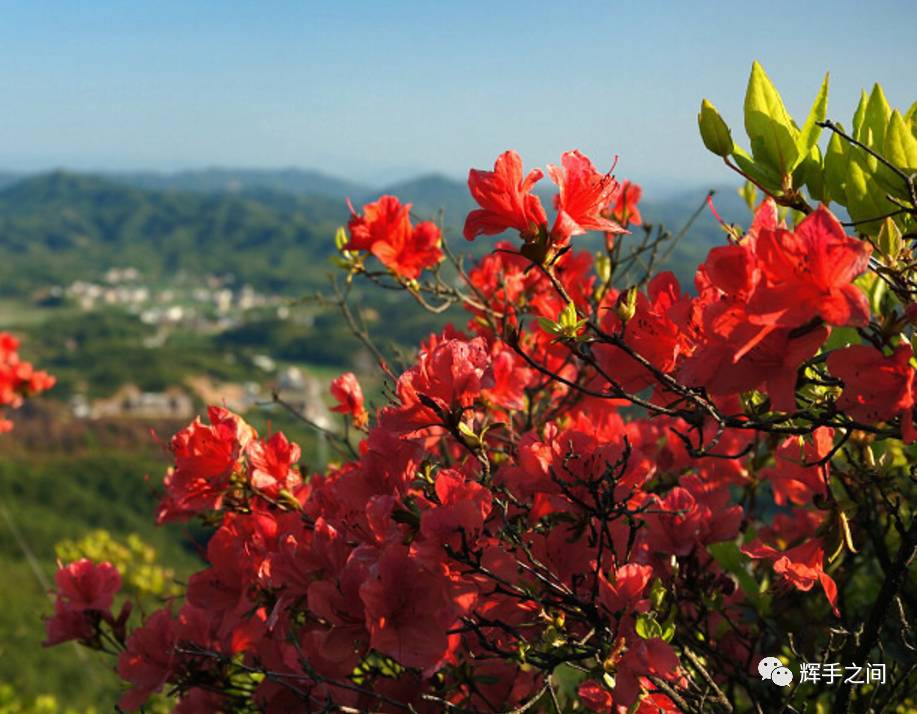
[
  {"x": 506, "y": 199},
  {"x": 408, "y": 610},
  {"x": 594, "y": 696},
  {"x": 206, "y": 456},
  {"x": 583, "y": 194},
  {"x": 507, "y": 202},
  {"x": 808, "y": 272},
  {"x": 625, "y": 587},
  {"x": 149, "y": 659},
  {"x": 83, "y": 585},
  {"x": 349, "y": 395},
  {"x": 18, "y": 379},
  {"x": 66, "y": 625},
  {"x": 797, "y": 475},
  {"x": 384, "y": 229},
  {"x": 85, "y": 593},
  {"x": 876, "y": 388},
  {"x": 386, "y": 220},
  {"x": 802, "y": 567},
  {"x": 624, "y": 209},
  {"x": 271, "y": 465},
  {"x": 509, "y": 522}
]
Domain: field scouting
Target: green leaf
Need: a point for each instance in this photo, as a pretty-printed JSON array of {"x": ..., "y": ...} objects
[
  {"x": 568, "y": 323},
  {"x": 874, "y": 287},
  {"x": 603, "y": 267},
  {"x": 911, "y": 116},
  {"x": 467, "y": 431},
  {"x": 568, "y": 317},
  {"x": 340, "y": 238},
  {"x": 900, "y": 144},
  {"x": 889, "y": 240},
  {"x": 647, "y": 627},
  {"x": 811, "y": 174},
  {"x": 769, "y": 126},
  {"x": 808, "y": 137},
  {"x": 865, "y": 197},
  {"x": 859, "y": 116},
  {"x": 841, "y": 337},
  {"x": 713, "y": 130},
  {"x": 657, "y": 594},
  {"x": 548, "y": 325},
  {"x": 731, "y": 559},
  {"x": 878, "y": 113},
  {"x": 749, "y": 194},
  {"x": 668, "y": 630},
  {"x": 836, "y": 160},
  {"x": 759, "y": 173}
]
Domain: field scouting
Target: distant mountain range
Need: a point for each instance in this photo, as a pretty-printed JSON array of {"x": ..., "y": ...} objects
[
  {"x": 266, "y": 226},
  {"x": 301, "y": 182},
  {"x": 431, "y": 192}
]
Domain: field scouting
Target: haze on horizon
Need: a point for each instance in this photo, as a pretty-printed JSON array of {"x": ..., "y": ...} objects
[{"x": 377, "y": 92}]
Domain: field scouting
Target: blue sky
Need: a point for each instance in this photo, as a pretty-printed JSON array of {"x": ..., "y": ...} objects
[{"x": 381, "y": 90}]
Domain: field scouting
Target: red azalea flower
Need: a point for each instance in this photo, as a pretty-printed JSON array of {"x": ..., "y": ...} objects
[
  {"x": 211, "y": 451},
  {"x": 876, "y": 387},
  {"x": 802, "y": 566},
  {"x": 651, "y": 333},
  {"x": 384, "y": 229},
  {"x": 420, "y": 250},
  {"x": 84, "y": 585},
  {"x": 594, "y": 696},
  {"x": 625, "y": 587},
  {"x": 678, "y": 527},
  {"x": 506, "y": 199},
  {"x": 349, "y": 395},
  {"x": 149, "y": 659},
  {"x": 511, "y": 377},
  {"x": 583, "y": 194},
  {"x": 624, "y": 208},
  {"x": 793, "y": 478},
  {"x": 18, "y": 379},
  {"x": 270, "y": 464},
  {"x": 205, "y": 459},
  {"x": 452, "y": 374},
  {"x": 463, "y": 507},
  {"x": 385, "y": 220},
  {"x": 809, "y": 273},
  {"x": 67, "y": 624},
  {"x": 643, "y": 657},
  {"x": 408, "y": 610}
]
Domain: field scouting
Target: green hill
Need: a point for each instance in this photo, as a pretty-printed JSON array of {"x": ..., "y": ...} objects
[
  {"x": 59, "y": 227},
  {"x": 302, "y": 182}
]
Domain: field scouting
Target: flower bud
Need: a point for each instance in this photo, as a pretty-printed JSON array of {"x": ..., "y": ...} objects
[
  {"x": 713, "y": 130},
  {"x": 627, "y": 305}
]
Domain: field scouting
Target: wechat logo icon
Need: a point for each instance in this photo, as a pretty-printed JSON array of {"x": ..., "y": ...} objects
[{"x": 772, "y": 668}]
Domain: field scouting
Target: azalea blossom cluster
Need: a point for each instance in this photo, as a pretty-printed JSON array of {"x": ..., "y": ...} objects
[
  {"x": 570, "y": 500},
  {"x": 18, "y": 379}
]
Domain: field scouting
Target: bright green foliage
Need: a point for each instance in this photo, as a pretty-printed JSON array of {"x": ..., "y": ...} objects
[
  {"x": 866, "y": 172},
  {"x": 11, "y": 703},
  {"x": 772, "y": 132},
  {"x": 65, "y": 493},
  {"x": 135, "y": 560},
  {"x": 713, "y": 130},
  {"x": 568, "y": 325},
  {"x": 808, "y": 137}
]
